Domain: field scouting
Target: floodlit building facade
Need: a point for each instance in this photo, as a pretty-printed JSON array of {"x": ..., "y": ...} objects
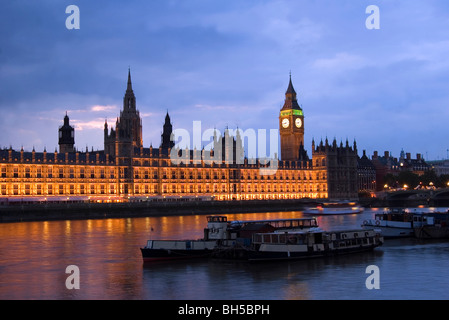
[{"x": 125, "y": 169}]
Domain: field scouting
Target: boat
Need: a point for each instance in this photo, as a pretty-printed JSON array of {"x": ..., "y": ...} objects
[
  {"x": 304, "y": 244},
  {"x": 437, "y": 227},
  {"x": 397, "y": 223},
  {"x": 220, "y": 234},
  {"x": 334, "y": 207}
]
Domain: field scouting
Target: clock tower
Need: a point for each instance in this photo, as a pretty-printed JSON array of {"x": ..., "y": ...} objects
[{"x": 291, "y": 126}]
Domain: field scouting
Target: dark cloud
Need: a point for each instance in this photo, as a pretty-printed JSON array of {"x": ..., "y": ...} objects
[{"x": 227, "y": 63}]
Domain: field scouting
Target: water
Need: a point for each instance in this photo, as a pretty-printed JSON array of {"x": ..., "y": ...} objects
[{"x": 34, "y": 257}]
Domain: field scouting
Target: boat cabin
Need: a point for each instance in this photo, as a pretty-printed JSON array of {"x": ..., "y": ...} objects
[
  {"x": 279, "y": 224},
  {"x": 217, "y": 227},
  {"x": 248, "y": 230},
  {"x": 288, "y": 238}
]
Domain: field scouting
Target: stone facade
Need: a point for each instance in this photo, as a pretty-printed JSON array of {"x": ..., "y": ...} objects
[{"x": 126, "y": 169}]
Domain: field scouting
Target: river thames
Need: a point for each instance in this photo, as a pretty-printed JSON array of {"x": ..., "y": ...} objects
[{"x": 34, "y": 257}]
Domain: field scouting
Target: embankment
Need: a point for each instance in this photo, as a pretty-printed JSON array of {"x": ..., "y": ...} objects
[{"x": 73, "y": 211}]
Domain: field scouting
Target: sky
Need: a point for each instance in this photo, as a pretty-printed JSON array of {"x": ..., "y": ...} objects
[{"x": 226, "y": 63}]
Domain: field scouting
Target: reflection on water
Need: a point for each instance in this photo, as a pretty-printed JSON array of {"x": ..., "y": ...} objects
[{"x": 34, "y": 255}]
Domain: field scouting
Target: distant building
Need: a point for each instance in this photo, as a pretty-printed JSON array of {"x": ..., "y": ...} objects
[
  {"x": 366, "y": 174},
  {"x": 441, "y": 167},
  {"x": 389, "y": 165},
  {"x": 417, "y": 165}
]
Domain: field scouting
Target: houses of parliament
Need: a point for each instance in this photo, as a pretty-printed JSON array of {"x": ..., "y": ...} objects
[{"x": 125, "y": 169}]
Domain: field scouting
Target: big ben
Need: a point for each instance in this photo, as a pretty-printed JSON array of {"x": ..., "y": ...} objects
[{"x": 291, "y": 125}]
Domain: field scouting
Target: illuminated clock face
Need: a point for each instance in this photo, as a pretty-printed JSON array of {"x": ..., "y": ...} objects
[
  {"x": 285, "y": 123},
  {"x": 298, "y": 122}
]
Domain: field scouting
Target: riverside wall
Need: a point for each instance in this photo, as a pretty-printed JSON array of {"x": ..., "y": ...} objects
[{"x": 73, "y": 211}]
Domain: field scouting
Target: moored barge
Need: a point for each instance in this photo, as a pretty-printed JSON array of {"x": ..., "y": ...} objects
[
  {"x": 220, "y": 234},
  {"x": 400, "y": 223},
  {"x": 302, "y": 244}
]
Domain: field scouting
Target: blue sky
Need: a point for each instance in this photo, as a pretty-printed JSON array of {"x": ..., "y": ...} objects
[{"x": 227, "y": 63}]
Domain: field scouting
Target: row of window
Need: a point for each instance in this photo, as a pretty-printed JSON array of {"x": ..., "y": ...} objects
[
  {"x": 53, "y": 189},
  {"x": 57, "y": 189},
  {"x": 50, "y": 172},
  {"x": 110, "y": 173}
]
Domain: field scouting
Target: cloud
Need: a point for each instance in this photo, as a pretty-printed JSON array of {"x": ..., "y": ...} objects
[
  {"x": 86, "y": 125},
  {"x": 215, "y": 107},
  {"x": 340, "y": 62},
  {"x": 147, "y": 114},
  {"x": 225, "y": 62},
  {"x": 98, "y": 108}
]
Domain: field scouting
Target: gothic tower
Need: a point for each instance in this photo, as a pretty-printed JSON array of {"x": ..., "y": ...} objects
[
  {"x": 166, "y": 141},
  {"x": 66, "y": 136},
  {"x": 291, "y": 126},
  {"x": 130, "y": 124},
  {"x": 128, "y": 129}
]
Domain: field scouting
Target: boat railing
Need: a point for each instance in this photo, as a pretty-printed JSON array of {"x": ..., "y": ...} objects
[{"x": 280, "y": 223}]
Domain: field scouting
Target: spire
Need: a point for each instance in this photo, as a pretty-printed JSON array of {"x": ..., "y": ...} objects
[
  {"x": 290, "y": 97},
  {"x": 167, "y": 118},
  {"x": 129, "y": 87},
  {"x": 66, "y": 119},
  {"x": 129, "y": 101},
  {"x": 290, "y": 89}
]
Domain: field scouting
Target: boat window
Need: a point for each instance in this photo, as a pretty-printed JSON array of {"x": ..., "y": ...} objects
[
  {"x": 257, "y": 237},
  {"x": 292, "y": 239},
  {"x": 282, "y": 238},
  {"x": 217, "y": 219},
  {"x": 318, "y": 237},
  {"x": 274, "y": 238}
]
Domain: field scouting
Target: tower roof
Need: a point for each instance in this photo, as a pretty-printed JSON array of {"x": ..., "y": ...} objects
[
  {"x": 66, "y": 122},
  {"x": 290, "y": 89},
  {"x": 66, "y": 119},
  {"x": 290, "y": 97}
]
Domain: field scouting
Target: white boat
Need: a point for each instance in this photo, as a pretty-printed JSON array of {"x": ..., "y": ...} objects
[
  {"x": 398, "y": 223},
  {"x": 335, "y": 207}
]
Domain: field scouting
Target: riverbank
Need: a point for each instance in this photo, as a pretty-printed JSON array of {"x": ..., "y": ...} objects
[{"x": 76, "y": 211}]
